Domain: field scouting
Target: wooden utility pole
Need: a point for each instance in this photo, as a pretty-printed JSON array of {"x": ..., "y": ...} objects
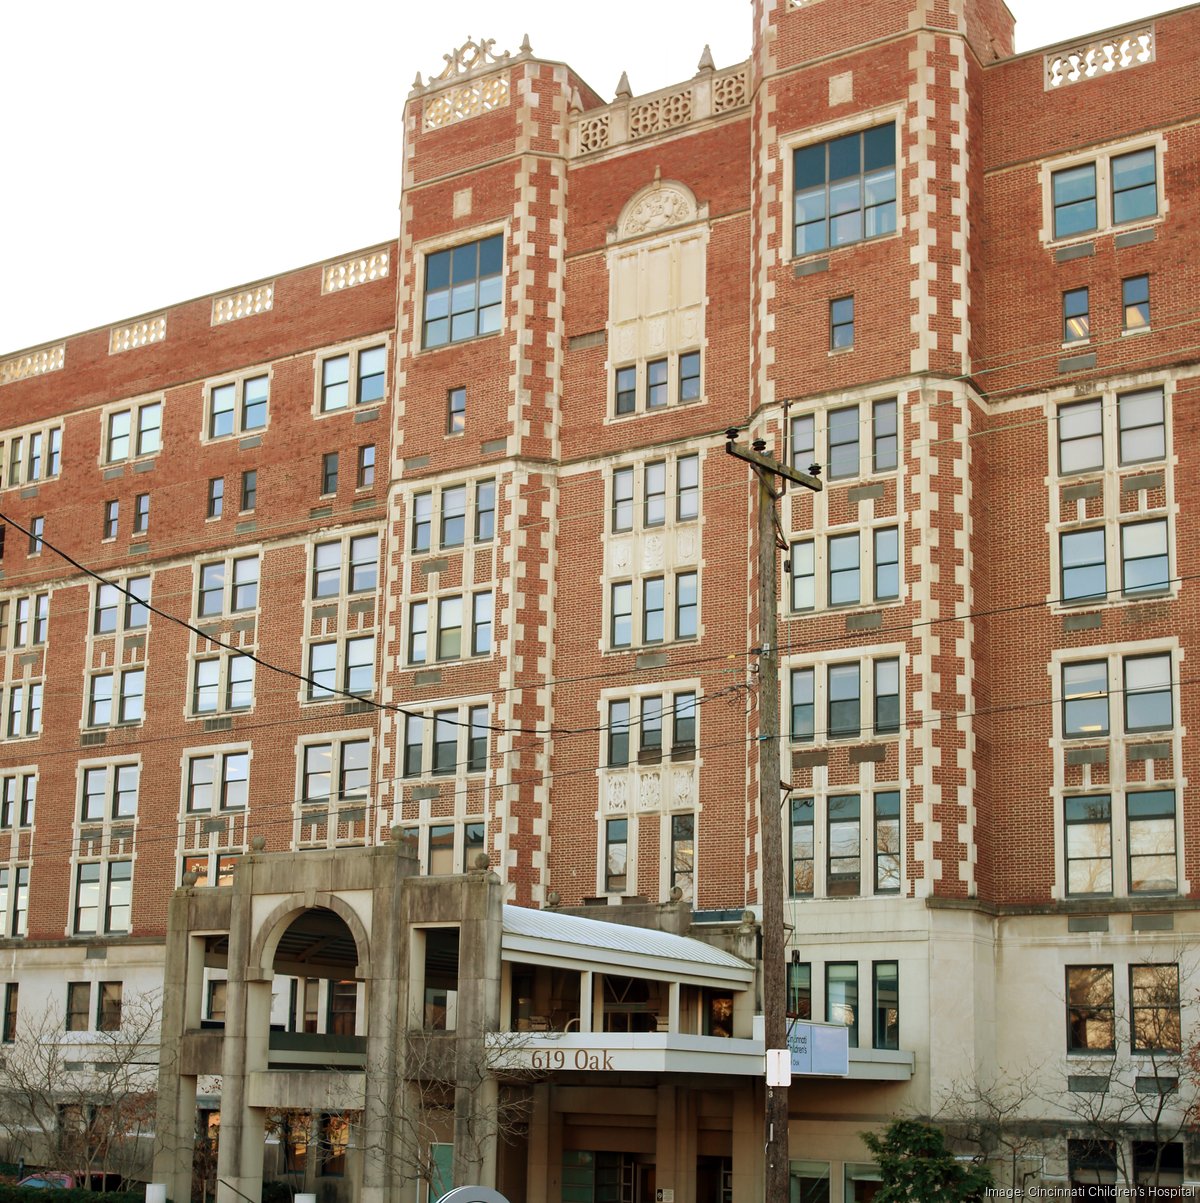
[{"x": 774, "y": 943}]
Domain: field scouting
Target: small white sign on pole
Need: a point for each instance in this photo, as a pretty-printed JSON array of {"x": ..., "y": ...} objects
[{"x": 779, "y": 1067}]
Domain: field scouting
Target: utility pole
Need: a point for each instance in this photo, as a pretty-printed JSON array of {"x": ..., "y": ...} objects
[{"x": 774, "y": 945}]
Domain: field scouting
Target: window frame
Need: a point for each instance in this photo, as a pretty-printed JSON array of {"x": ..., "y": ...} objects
[
  {"x": 138, "y": 412},
  {"x": 242, "y": 421},
  {"x": 434, "y": 252},
  {"x": 355, "y": 376},
  {"x": 1104, "y": 190}
]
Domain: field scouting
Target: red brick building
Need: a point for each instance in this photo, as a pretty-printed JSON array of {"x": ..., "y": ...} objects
[{"x": 442, "y": 536}]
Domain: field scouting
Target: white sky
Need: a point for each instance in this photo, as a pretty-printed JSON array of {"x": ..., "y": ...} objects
[{"x": 159, "y": 151}]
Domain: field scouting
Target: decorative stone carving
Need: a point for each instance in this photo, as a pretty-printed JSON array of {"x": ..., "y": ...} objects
[
  {"x": 650, "y": 792},
  {"x": 1129, "y": 49},
  {"x": 236, "y": 305},
  {"x": 730, "y": 91},
  {"x": 349, "y": 273},
  {"x": 685, "y": 546},
  {"x": 469, "y": 56},
  {"x": 618, "y": 793},
  {"x": 660, "y": 113},
  {"x": 137, "y": 334},
  {"x": 34, "y": 363},
  {"x": 593, "y": 133},
  {"x": 656, "y": 334},
  {"x": 653, "y": 552},
  {"x": 626, "y": 342},
  {"x": 620, "y": 555},
  {"x": 663, "y": 206},
  {"x": 469, "y": 100},
  {"x": 683, "y": 788}
]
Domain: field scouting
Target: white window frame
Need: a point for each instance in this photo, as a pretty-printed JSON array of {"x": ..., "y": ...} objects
[
  {"x": 353, "y": 350},
  {"x": 228, "y": 585},
  {"x": 224, "y": 660},
  {"x": 23, "y": 475},
  {"x": 135, "y": 409},
  {"x": 238, "y": 380}
]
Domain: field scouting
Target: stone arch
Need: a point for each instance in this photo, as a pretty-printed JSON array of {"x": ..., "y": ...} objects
[
  {"x": 273, "y": 926},
  {"x": 660, "y": 205}
]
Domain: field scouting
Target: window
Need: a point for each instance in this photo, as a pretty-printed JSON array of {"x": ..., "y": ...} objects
[
  {"x": 843, "y": 443},
  {"x": 463, "y": 292},
  {"x": 804, "y": 573},
  {"x": 24, "y": 710},
  {"x": 657, "y": 481},
  {"x": 660, "y": 597},
  {"x": 1080, "y": 437},
  {"x": 37, "y": 528},
  {"x": 683, "y": 728},
  {"x": 654, "y": 510},
  {"x": 803, "y": 724},
  {"x": 1090, "y": 1013},
  {"x": 841, "y": 324},
  {"x": 129, "y": 697},
  {"x": 108, "y": 1009},
  {"x": 109, "y": 791},
  {"x": 886, "y": 992},
  {"x": 456, "y": 411},
  {"x": 358, "y": 374},
  {"x": 1110, "y": 191},
  {"x": 365, "y": 476},
  {"x": 134, "y": 432},
  {"x": 803, "y": 848},
  {"x": 844, "y": 839},
  {"x": 219, "y": 781},
  {"x": 1087, "y": 829},
  {"x": 445, "y": 755},
  {"x": 887, "y": 564},
  {"x": 237, "y": 406},
  {"x": 653, "y": 603},
  {"x": 1085, "y": 699},
  {"x": 1151, "y": 841},
  {"x": 645, "y": 715},
  {"x": 616, "y": 855},
  {"x": 112, "y": 511},
  {"x": 887, "y": 842},
  {"x": 103, "y": 900},
  {"x": 449, "y": 628},
  {"x": 477, "y": 739},
  {"x": 1154, "y": 1008},
  {"x": 618, "y": 733},
  {"x": 842, "y": 688},
  {"x": 222, "y": 683},
  {"x": 79, "y": 1006},
  {"x": 329, "y": 472},
  {"x": 349, "y": 564},
  {"x": 683, "y": 853},
  {"x": 485, "y": 511},
  {"x": 626, "y": 390},
  {"x": 8, "y": 1032},
  {"x": 687, "y": 495},
  {"x": 14, "y": 900},
  {"x": 844, "y": 701},
  {"x": 686, "y": 605},
  {"x": 24, "y": 620},
  {"x": 657, "y": 382},
  {"x": 1076, "y": 323},
  {"x": 454, "y": 517},
  {"x": 809, "y": 1181},
  {"x": 841, "y": 996},
  {"x": 1083, "y": 568},
  {"x": 249, "y": 490},
  {"x": 106, "y": 605},
  {"x": 141, "y": 513},
  {"x": 29, "y": 456},
  {"x": 1141, "y": 426},
  {"x": 799, "y": 990},
  {"x": 689, "y": 376},
  {"x": 418, "y": 632},
  {"x": 216, "y": 496},
  {"x": 844, "y": 587},
  {"x": 481, "y": 624},
  {"x": 228, "y": 586},
  {"x": 1135, "y": 304},
  {"x": 621, "y": 630},
  {"x": 845, "y": 190},
  {"x": 1144, "y": 557},
  {"x": 340, "y": 666},
  {"x": 18, "y": 797},
  {"x": 1148, "y": 702},
  {"x": 884, "y": 435},
  {"x": 445, "y": 742},
  {"x": 337, "y": 771}
]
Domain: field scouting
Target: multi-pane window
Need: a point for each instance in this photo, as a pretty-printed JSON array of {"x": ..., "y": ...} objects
[
  {"x": 843, "y": 844},
  {"x": 346, "y": 565},
  {"x": 14, "y": 900},
  {"x": 341, "y": 666},
  {"x": 103, "y": 898},
  {"x": 1091, "y": 1026},
  {"x": 849, "y": 558},
  {"x": 1141, "y": 427},
  {"x": 112, "y": 516},
  {"x": 843, "y": 712},
  {"x": 683, "y": 853},
  {"x": 485, "y": 511},
  {"x": 1110, "y": 191},
  {"x": 446, "y": 741},
  {"x": 1080, "y": 437},
  {"x": 227, "y": 586},
  {"x": 883, "y": 436},
  {"x": 1150, "y": 838},
  {"x": 843, "y": 442},
  {"x": 1154, "y": 1025},
  {"x": 109, "y": 791},
  {"x": 1148, "y": 693},
  {"x": 1135, "y": 303},
  {"x": 365, "y": 472},
  {"x": 133, "y": 432},
  {"x": 885, "y": 990},
  {"x": 667, "y": 609},
  {"x": 1085, "y": 699},
  {"x": 79, "y": 1006},
  {"x": 845, "y": 190},
  {"x": 27, "y": 457},
  {"x": 844, "y": 434},
  {"x": 336, "y": 771},
  {"x": 1134, "y": 186},
  {"x": 844, "y": 688},
  {"x": 216, "y": 497},
  {"x": 657, "y": 481},
  {"x": 222, "y": 683},
  {"x": 647, "y": 715},
  {"x": 249, "y": 490},
  {"x": 238, "y": 406},
  {"x": 887, "y": 842},
  {"x": 141, "y": 513},
  {"x": 1087, "y": 830},
  {"x": 803, "y": 848},
  {"x": 657, "y": 383},
  {"x": 1150, "y": 841},
  {"x": 456, "y": 411},
  {"x": 8, "y": 1026},
  {"x": 360, "y": 375},
  {"x": 449, "y": 628},
  {"x": 329, "y": 472},
  {"x": 463, "y": 292},
  {"x": 18, "y": 800},
  {"x": 422, "y": 521},
  {"x": 616, "y": 855},
  {"x": 841, "y": 996},
  {"x": 1076, "y": 320},
  {"x": 24, "y": 621},
  {"x": 22, "y": 709},
  {"x": 841, "y": 323},
  {"x": 116, "y": 697},
  {"x": 453, "y": 515},
  {"x": 1082, "y": 555},
  {"x": 108, "y": 1006},
  {"x": 453, "y": 531},
  {"x": 219, "y": 781},
  {"x": 448, "y": 635},
  {"x": 1145, "y": 566}
]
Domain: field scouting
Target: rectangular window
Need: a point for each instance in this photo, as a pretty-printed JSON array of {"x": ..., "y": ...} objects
[
  {"x": 845, "y": 695},
  {"x": 1074, "y": 198},
  {"x": 133, "y": 691},
  {"x": 799, "y": 994},
  {"x": 422, "y": 522},
  {"x": 100, "y": 696},
  {"x": 803, "y": 724},
  {"x": 445, "y": 742},
  {"x": 418, "y": 632},
  {"x": 245, "y": 584},
  {"x": 322, "y": 670},
  {"x": 1134, "y": 186},
  {"x": 622, "y": 499},
  {"x": 1151, "y": 840},
  {"x": 650, "y": 730},
  {"x": 887, "y": 697},
  {"x": 372, "y": 370},
  {"x": 456, "y": 411},
  {"x": 1154, "y": 1008},
  {"x": 887, "y": 842},
  {"x": 463, "y": 292},
  {"x": 211, "y": 598},
  {"x": 485, "y": 511},
  {"x": 884, "y": 436},
  {"x": 804, "y": 447},
  {"x": 335, "y": 383},
  {"x": 365, "y": 477},
  {"x": 803, "y": 848},
  {"x": 1076, "y": 322},
  {"x": 804, "y": 579},
  {"x": 8, "y": 1033},
  {"x": 683, "y": 728},
  {"x": 108, "y": 1008},
  {"x": 37, "y": 528},
  {"x": 616, "y": 855},
  {"x": 133, "y": 432},
  {"x": 1148, "y": 701},
  {"x": 1085, "y": 699},
  {"x": 844, "y": 839},
  {"x": 841, "y": 323},
  {"x": 683, "y": 853},
  {"x": 654, "y": 510},
  {"x": 845, "y": 587},
  {"x": 618, "y": 733},
  {"x": 449, "y": 628},
  {"x": 621, "y": 632},
  {"x": 141, "y": 513},
  {"x": 329, "y": 472},
  {"x": 237, "y": 406},
  {"x": 887, "y": 564},
  {"x": 1080, "y": 439},
  {"x": 1090, "y": 1017},
  {"x": 481, "y": 624},
  {"x": 79, "y": 1006},
  {"x": 845, "y": 190},
  {"x": 1083, "y": 565},
  {"x": 1144, "y": 558},
  {"x": 249, "y": 490},
  {"x": 216, "y": 496},
  {"x": 1141, "y": 427},
  {"x": 687, "y": 487},
  {"x": 689, "y": 376},
  {"x": 841, "y": 996},
  {"x": 1087, "y": 829},
  {"x": 656, "y": 384},
  {"x": 477, "y": 739},
  {"x": 626, "y": 390},
  {"x": 843, "y": 443},
  {"x": 414, "y": 741},
  {"x": 686, "y": 605},
  {"x": 1135, "y": 303},
  {"x": 454, "y": 516},
  {"x": 886, "y": 991},
  {"x": 112, "y": 511}
]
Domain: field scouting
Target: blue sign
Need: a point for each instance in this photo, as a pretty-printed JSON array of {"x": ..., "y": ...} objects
[{"x": 819, "y": 1048}]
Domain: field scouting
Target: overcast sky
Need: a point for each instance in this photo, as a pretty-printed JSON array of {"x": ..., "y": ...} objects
[{"x": 159, "y": 151}]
